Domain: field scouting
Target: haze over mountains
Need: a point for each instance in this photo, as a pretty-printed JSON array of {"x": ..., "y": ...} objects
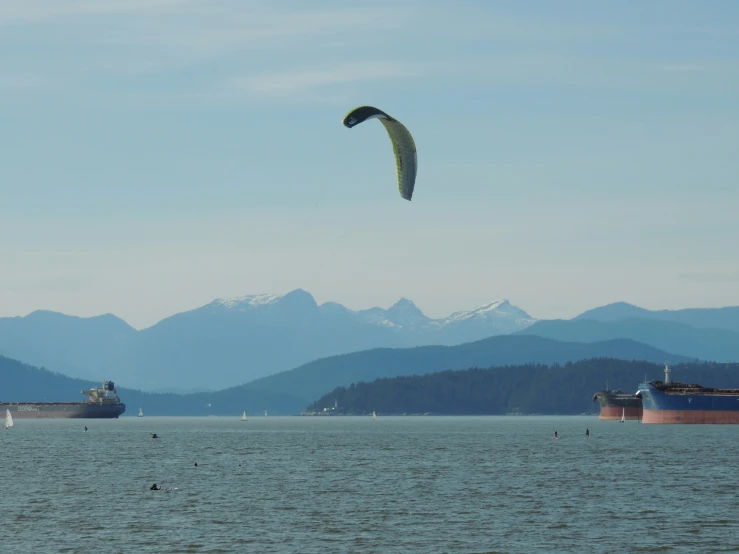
[
  {"x": 313, "y": 379},
  {"x": 712, "y": 318},
  {"x": 290, "y": 392},
  {"x": 707, "y": 334},
  {"x": 706, "y": 344},
  {"x": 232, "y": 341},
  {"x": 24, "y": 383},
  {"x": 289, "y": 351}
]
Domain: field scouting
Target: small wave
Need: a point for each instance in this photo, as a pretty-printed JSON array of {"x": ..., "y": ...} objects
[{"x": 717, "y": 523}]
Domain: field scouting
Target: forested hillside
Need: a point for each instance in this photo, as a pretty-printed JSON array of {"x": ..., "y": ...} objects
[{"x": 525, "y": 389}]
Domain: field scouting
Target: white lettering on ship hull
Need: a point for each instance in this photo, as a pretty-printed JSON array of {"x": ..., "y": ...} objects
[{"x": 28, "y": 409}]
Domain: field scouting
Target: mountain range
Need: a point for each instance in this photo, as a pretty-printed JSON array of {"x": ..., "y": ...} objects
[
  {"x": 313, "y": 379},
  {"x": 711, "y": 318},
  {"x": 235, "y": 340},
  {"x": 24, "y": 383},
  {"x": 693, "y": 342},
  {"x": 291, "y": 391}
]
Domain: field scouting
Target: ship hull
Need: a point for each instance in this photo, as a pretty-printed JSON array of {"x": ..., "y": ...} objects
[
  {"x": 28, "y": 410},
  {"x": 689, "y": 407},
  {"x": 691, "y": 416},
  {"x": 615, "y": 412},
  {"x": 613, "y": 405}
]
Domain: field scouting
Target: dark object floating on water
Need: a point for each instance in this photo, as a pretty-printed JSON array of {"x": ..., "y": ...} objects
[
  {"x": 154, "y": 436},
  {"x": 85, "y": 428},
  {"x": 196, "y": 464},
  {"x": 155, "y": 488}
]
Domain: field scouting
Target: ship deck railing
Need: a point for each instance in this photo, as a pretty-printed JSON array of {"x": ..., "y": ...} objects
[{"x": 684, "y": 388}]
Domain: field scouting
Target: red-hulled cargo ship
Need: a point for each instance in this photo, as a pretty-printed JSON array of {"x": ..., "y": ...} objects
[
  {"x": 103, "y": 403},
  {"x": 616, "y": 404},
  {"x": 670, "y": 402}
]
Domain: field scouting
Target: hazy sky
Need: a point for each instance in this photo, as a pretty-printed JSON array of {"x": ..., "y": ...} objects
[{"x": 158, "y": 154}]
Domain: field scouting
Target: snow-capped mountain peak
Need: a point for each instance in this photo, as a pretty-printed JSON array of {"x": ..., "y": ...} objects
[
  {"x": 497, "y": 317},
  {"x": 499, "y": 313},
  {"x": 480, "y": 311},
  {"x": 242, "y": 302},
  {"x": 295, "y": 304}
]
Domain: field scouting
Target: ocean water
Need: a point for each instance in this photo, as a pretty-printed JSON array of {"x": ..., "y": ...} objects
[{"x": 397, "y": 484}]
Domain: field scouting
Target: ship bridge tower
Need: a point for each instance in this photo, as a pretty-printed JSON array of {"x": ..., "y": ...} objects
[{"x": 667, "y": 372}]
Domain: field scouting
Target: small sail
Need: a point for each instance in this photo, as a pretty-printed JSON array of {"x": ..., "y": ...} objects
[
  {"x": 243, "y": 416},
  {"x": 141, "y": 413},
  {"x": 8, "y": 419},
  {"x": 623, "y": 414},
  {"x": 265, "y": 413},
  {"x": 374, "y": 416}
]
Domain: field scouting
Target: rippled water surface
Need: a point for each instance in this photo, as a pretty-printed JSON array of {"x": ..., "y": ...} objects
[{"x": 413, "y": 484}]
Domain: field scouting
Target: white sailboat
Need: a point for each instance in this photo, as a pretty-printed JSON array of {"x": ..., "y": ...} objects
[
  {"x": 8, "y": 419},
  {"x": 141, "y": 413},
  {"x": 265, "y": 413},
  {"x": 374, "y": 416},
  {"x": 243, "y": 416},
  {"x": 623, "y": 414}
]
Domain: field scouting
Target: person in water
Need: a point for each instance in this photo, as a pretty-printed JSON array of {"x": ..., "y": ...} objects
[
  {"x": 587, "y": 432},
  {"x": 85, "y": 428},
  {"x": 155, "y": 488},
  {"x": 555, "y": 435},
  {"x": 154, "y": 436}
]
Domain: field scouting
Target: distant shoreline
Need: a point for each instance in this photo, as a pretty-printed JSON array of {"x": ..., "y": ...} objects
[{"x": 594, "y": 414}]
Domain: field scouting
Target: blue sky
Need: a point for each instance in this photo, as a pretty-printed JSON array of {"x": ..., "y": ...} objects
[{"x": 157, "y": 154}]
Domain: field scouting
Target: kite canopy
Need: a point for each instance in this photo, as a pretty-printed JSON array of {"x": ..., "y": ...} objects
[{"x": 406, "y": 159}]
